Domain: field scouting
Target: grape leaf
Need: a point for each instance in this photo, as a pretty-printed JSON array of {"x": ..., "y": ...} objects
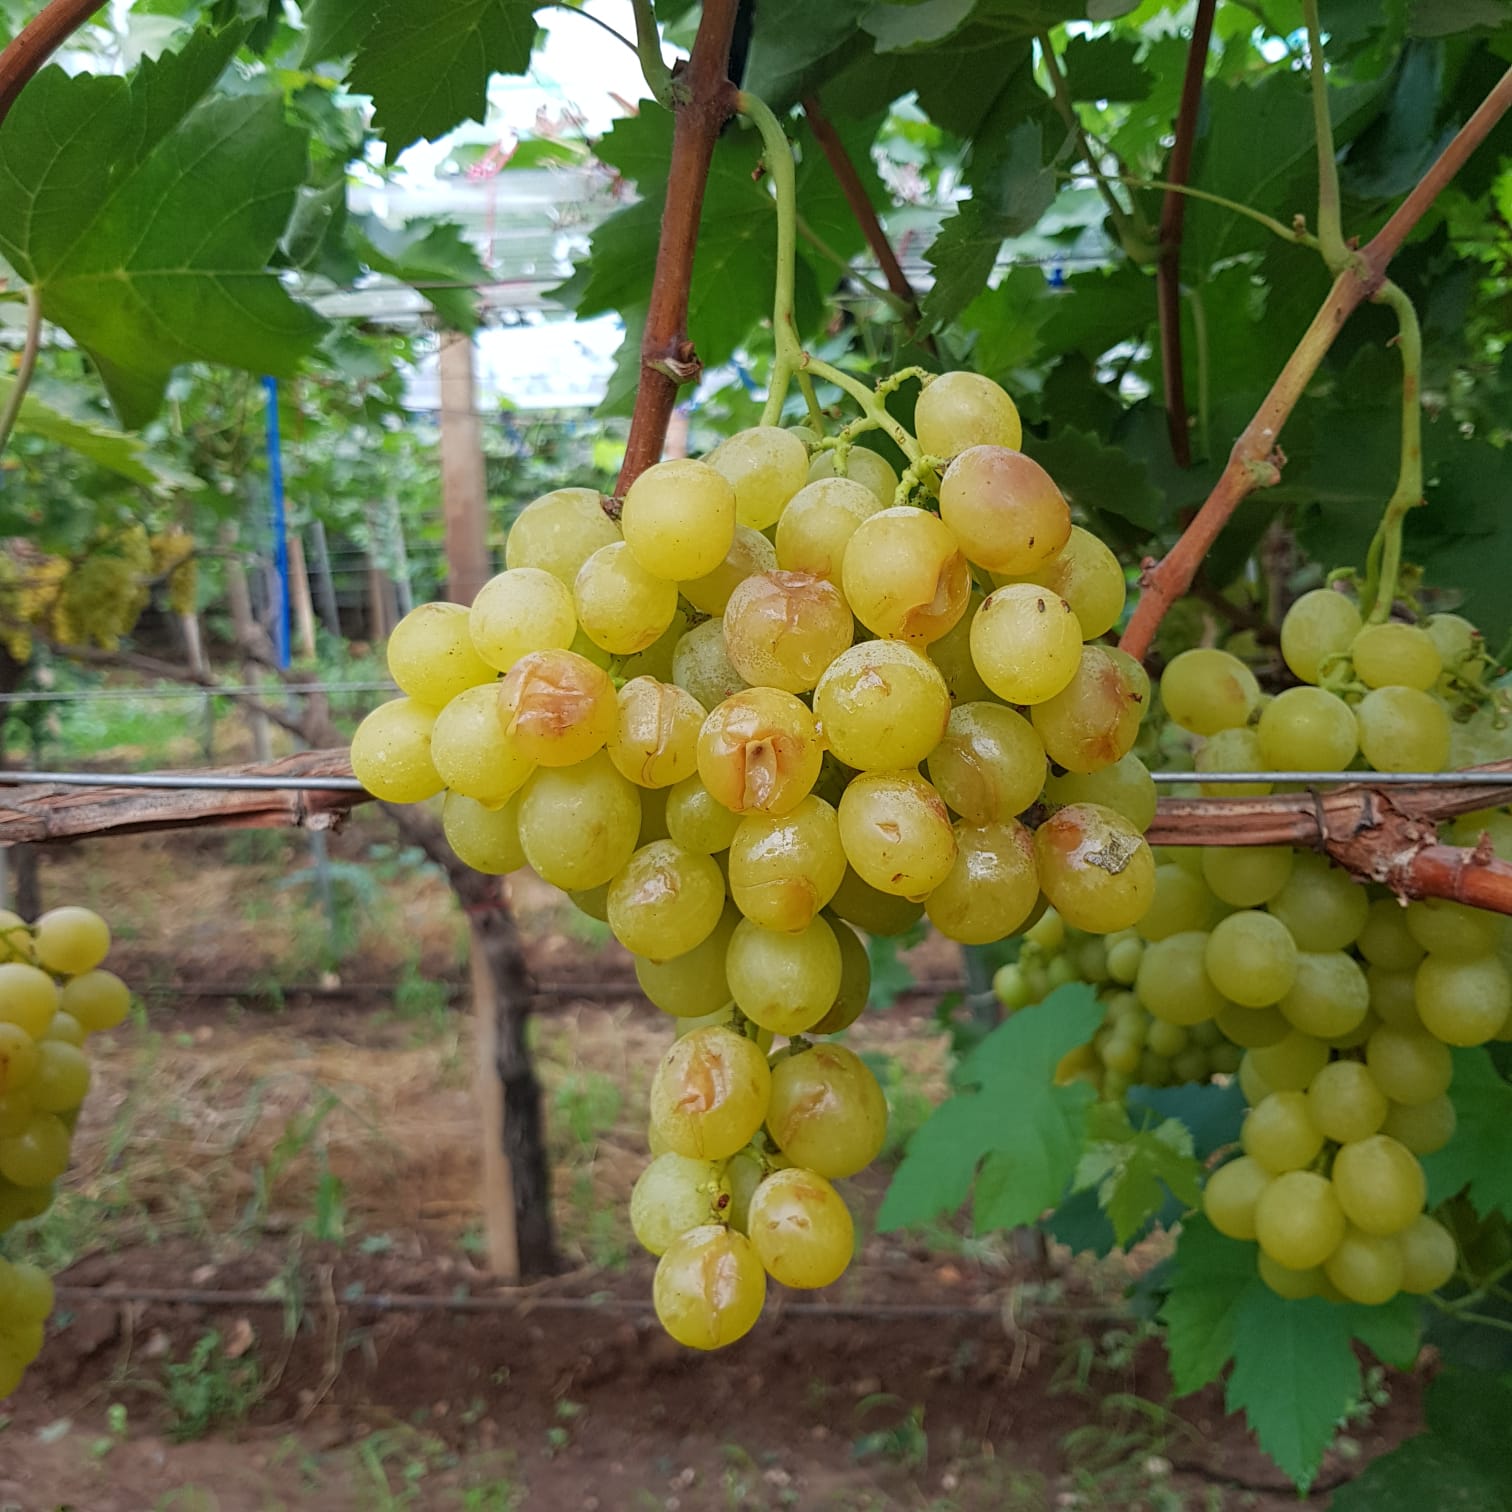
[
  {"x": 1443, "y": 18},
  {"x": 890, "y": 976},
  {"x": 1105, "y": 68},
  {"x": 795, "y": 44},
  {"x": 1211, "y": 1278},
  {"x": 1022, "y": 1131},
  {"x": 899, "y": 27},
  {"x": 1134, "y": 1171},
  {"x": 427, "y": 254},
  {"x": 1100, "y": 477},
  {"x": 1474, "y": 1161}
]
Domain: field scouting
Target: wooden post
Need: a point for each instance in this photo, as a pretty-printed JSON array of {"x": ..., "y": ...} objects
[
  {"x": 499, "y": 1235},
  {"x": 325, "y": 586},
  {"x": 299, "y": 594},
  {"x": 464, "y": 494}
]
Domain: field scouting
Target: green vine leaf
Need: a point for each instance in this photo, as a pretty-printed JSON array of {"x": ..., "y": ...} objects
[
  {"x": 427, "y": 254},
  {"x": 1474, "y": 1161},
  {"x": 1134, "y": 1170}
]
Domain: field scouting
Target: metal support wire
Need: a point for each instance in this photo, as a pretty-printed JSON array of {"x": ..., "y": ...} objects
[
  {"x": 1343, "y": 779},
  {"x": 194, "y": 690}
]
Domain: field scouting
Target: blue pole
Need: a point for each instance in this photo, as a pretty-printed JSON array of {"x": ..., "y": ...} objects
[{"x": 280, "y": 528}]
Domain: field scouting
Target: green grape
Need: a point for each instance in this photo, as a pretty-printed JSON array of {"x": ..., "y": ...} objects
[
  {"x": 1026, "y": 642},
  {"x": 783, "y": 870},
  {"x": 1166, "y": 1039},
  {"x": 28, "y": 998},
  {"x": 621, "y": 606},
  {"x": 1449, "y": 929},
  {"x": 473, "y": 751},
  {"x": 15, "y": 938},
  {"x": 869, "y": 908},
  {"x": 750, "y": 552},
  {"x": 38, "y": 1155},
  {"x": 1353, "y": 1039},
  {"x": 759, "y": 752},
  {"x": 1430, "y": 1256},
  {"x": 1207, "y": 690},
  {"x": 1245, "y": 876},
  {"x": 1298, "y": 1220},
  {"x": 951, "y": 654},
  {"x": 1251, "y": 1083},
  {"x": 862, "y": 465},
  {"x": 1307, "y": 730},
  {"x": 1233, "y": 750},
  {"x": 882, "y": 704},
  {"x": 1494, "y": 824},
  {"x": 1181, "y": 904},
  {"x": 801, "y": 1229},
  {"x": 1279, "y": 1133},
  {"x": 1345, "y": 1102},
  {"x": 701, "y": 664},
  {"x": 989, "y": 766},
  {"x": 672, "y": 1195},
  {"x": 1011, "y": 987},
  {"x": 710, "y": 1287},
  {"x": 1464, "y": 1002},
  {"x": 1323, "y": 907},
  {"x": 855, "y": 980},
  {"x": 65, "y": 1027},
  {"x": 785, "y": 982},
  {"x": 486, "y": 839},
  {"x": 431, "y": 655},
  {"x": 658, "y": 660},
  {"x": 1094, "y": 867},
  {"x": 1230, "y": 1197},
  {"x": 766, "y": 467},
  {"x": 654, "y": 737},
  {"x": 99, "y": 1000},
  {"x": 1125, "y": 787},
  {"x": 557, "y": 707},
  {"x": 1094, "y": 720},
  {"x": 1004, "y": 509},
  {"x": 18, "y": 1057},
  {"x": 1088, "y": 576},
  {"x": 1252, "y": 958},
  {"x": 1048, "y": 932},
  {"x": 904, "y": 575},
  {"x": 827, "y": 1111},
  {"x": 1125, "y": 951},
  {"x": 782, "y": 629},
  {"x": 692, "y": 985},
  {"x": 28, "y": 1292},
  {"x": 992, "y": 887},
  {"x": 665, "y": 900},
  {"x": 1393, "y": 997},
  {"x": 1291, "y": 1063},
  {"x": 709, "y": 1094},
  {"x": 678, "y": 518},
  {"x": 522, "y": 609},
  {"x": 743, "y": 1173},
  {"x": 579, "y": 825},
  {"x": 958, "y": 410},
  {"x": 391, "y": 752},
  {"x": 1394, "y": 654},
  {"x": 1173, "y": 984},
  {"x": 653, "y": 825},
  {"x": 1320, "y": 625},
  {"x": 1366, "y": 1268},
  {"x": 61, "y": 1078},
  {"x": 1379, "y": 1184},
  {"x": 1291, "y": 1284},
  {"x": 1252, "y": 1028},
  {"x": 1461, "y": 647},
  {"x": 696, "y": 819},
  {"x": 1424, "y": 1128},
  {"x": 897, "y": 833},
  {"x": 1329, "y": 995},
  {"x": 1386, "y": 938},
  {"x": 1409, "y": 1066},
  {"x": 558, "y": 532},
  {"x": 1403, "y": 730},
  {"x": 816, "y": 527}
]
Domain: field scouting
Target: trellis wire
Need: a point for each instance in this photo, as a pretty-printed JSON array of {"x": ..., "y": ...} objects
[{"x": 194, "y": 690}]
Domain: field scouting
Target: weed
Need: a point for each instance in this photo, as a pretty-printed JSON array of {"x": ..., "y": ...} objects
[
  {"x": 115, "y": 1432},
  {"x": 328, "y": 1221},
  {"x": 208, "y": 1389},
  {"x": 417, "y": 996},
  {"x": 905, "y": 1443},
  {"x": 559, "y": 1435},
  {"x": 588, "y": 1104}
]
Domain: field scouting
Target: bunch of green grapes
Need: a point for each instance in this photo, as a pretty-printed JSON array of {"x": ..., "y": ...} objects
[
  {"x": 772, "y": 701},
  {"x": 53, "y": 995},
  {"x": 173, "y": 553}
]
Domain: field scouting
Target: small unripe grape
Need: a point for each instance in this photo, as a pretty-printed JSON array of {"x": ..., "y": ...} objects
[
  {"x": 522, "y": 609},
  {"x": 1252, "y": 1028},
  {"x": 1323, "y": 906},
  {"x": 782, "y": 629},
  {"x": 1004, "y": 509},
  {"x": 61, "y": 1078},
  {"x": 1026, "y": 643},
  {"x": 1298, "y": 1220},
  {"x": 665, "y": 900},
  {"x": 1181, "y": 903},
  {"x": 750, "y": 552},
  {"x": 951, "y": 654},
  {"x": 1279, "y": 1132},
  {"x": 1252, "y": 958},
  {"x": 1393, "y": 998},
  {"x": 697, "y": 820},
  {"x": 862, "y": 465},
  {"x": 766, "y": 467},
  {"x": 1320, "y": 625},
  {"x": 1403, "y": 730},
  {"x": 1461, "y": 647},
  {"x": 558, "y": 708},
  {"x": 1166, "y": 1039},
  {"x": 579, "y": 825},
  {"x": 1409, "y": 1066},
  {"x": 709, "y": 1094},
  {"x": 63, "y": 1026},
  {"x": 1329, "y": 995},
  {"x": 28, "y": 997},
  {"x": 785, "y": 982},
  {"x": 1206, "y": 690},
  {"x": 620, "y": 605},
  {"x": 486, "y": 839},
  {"x": 473, "y": 752},
  {"x": 1094, "y": 867},
  {"x": 817, "y": 526},
  {"x": 801, "y": 1228},
  {"x": 783, "y": 870},
  {"x": 869, "y": 908},
  {"x": 1233, "y": 750},
  {"x": 1366, "y": 1268},
  {"x": 559, "y": 532},
  {"x": 1290, "y": 1064},
  {"x": 18, "y": 1057},
  {"x": 882, "y": 704},
  {"x": 678, "y": 518},
  {"x": 1291, "y": 1284},
  {"x": 1386, "y": 939},
  {"x": 1379, "y": 1184},
  {"x": 431, "y": 656},
  {"x": 691, "y": 985},
  {"x": 710, "y": 1287},
  {"x": 1307, "y": 730},
  {"x": 1429, "y": 1255},
  {"x": 672, "y": 1195},
  {"x": 654, "y": 740},
  {"x": 896, "y": 832},
  {"x": 992, "y": 887},
  {"x": 657, "y": 660},
  {"x": 957, "y": 410},
  {"x": 1345, "y": 1102},
  {"x": 1173, "y": 983},
  {"x": 99, "y": 1000},
  {"x": 38, "y": 1155},
  {"x": 70, "y": 940},
  {"x": 1125, "y": 787},
  {"x": 744, "y": 1171},
  {"x": 1245, "y": 876},
  {"x": 1394, "y": 654},
  {"x": 1251, "y": 1083},
  {"x": 701, "y": 664},
  {"x": 1230, "y": 1197},
  {"x": 1088, "y": 576},
  {"x": 1424, "y": 1128},
  {"x": 1124, "y": 953},
  {"x": 989, "y": 765},
  {"x": 855, "y": 980},
  {"x": 827, "y": 1113},
  {"x": 391, "y": 752},
  {"x": 904, "y": 575},
  {"x": 1094, "y": 720},
  {"x": 1449, "y": 929},
  {"x": 16, "y": 942},
  {"x": 759, "y": 752},
  {"x": 1464, "y": 1002}
]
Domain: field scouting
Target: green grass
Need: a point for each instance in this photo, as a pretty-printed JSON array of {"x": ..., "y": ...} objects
[{"x": 208, "y": 1390}]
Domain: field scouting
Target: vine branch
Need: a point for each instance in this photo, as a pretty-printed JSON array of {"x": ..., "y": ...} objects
[
  {"x": 28, "y": 365},
  {"x": 654, "y": 68},
  {"x": 36, "y": 42}
]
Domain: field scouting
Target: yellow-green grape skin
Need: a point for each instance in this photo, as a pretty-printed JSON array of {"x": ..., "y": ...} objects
[
  {"x": 818, "y": 523},
  {"x": 1403, "y": 730},
  {"x": 827, "y": 1113},
  {"x": 701, "y": 664},
  {"x": 784, "y": 981},
  {"x": 1323, "y": 907},
  {"x": 70, "y": 940},
  {"x": 472, "y": 751},
  {"x": 989, "y": 766},
  {"x": 1206, "y": 690},
  {"x": 654, "y": 740},
  {"x": 782, "y": 629},
  {"x": 1230, "y": 1197},
  {"x": 992, "y": 887},
  {"x": 1233, "y": 750},
  {"x": 1464, "y": 1002},
  {"x": 1252, "y": 958},
  {"x": 1429, "y": 1255},
  {"x": 801, "y": 1228},
  {"x": 431, "y": 656},
  {"x": 1004, "y": 509},
  {"x": 665, "y": 900},
  {"x": 1088, "y": 576},
  {"x": 958, "y": 410},
  {"x": 593, "y": 901},
  {"x": 30, "y": 1292},
  {"x": 1307, "y": 730},
  {"x": 38, "y": 1155},
  {"x": 672, "y": 1195},
  {"x": 1251, "y": 1083},
  {"x": 621, "y": 606},
  {"x": 783, "y": 870},
  {"x": 522, "y": 609},
  {"x": 391, "y": 752},
  {"x": 904, "y": 575},
  {"x": 15, "y": 938},
  {"x": 1026, "y": 642},
  {"x": 65, "y": 1027},
  {"x": 1094, "y": 720},
  {"x": 1173, "y": 984},
  {"x": 1345, "y": 1102},
  {"x": 1329, "y": 995},
  {"x": 1298, "y": 1220},
  {"x": 1320, "y": 625},
  {"x": 1279, "y": 1133},
  {"x": 709, "y": 1094},
  {"x": 1450, "y": 929},
  {"x": 696, "y": 819},
  {"x": 743, "y": 1173},
  {"x": 1494, "y": 824},
  {"x": 558, "y": 708},
  {"x": 750, "y": 552},
  {"x": 99, "y": 1000},
  {"x": 766, "y": 467},
  {"x": 28, "y": 997},
  {"x": 678, "y": 518},
  {"x": 658, "y": 660},
  {"x": 882, "y": 704},
  {"x": 1394, "y": 654},
  {"x": 864, "y": 466},
  {"x": 694, "y": 984},
  {"x": 486, "y": 839},
  {"x": 855, "y": 980},
  {"x": 951, "y": 654},
  {"x": 1393, "y": 998},
  {"x": 896, "y": 832},
  {"x": 1246, "y": 876},
  {"x": 1094, "y": 867},
  {"x": 1409, "y": 1066},
  {"x": 1180, "y": 904},
  {"x": 759, "y": 752},
  {"x": 61, "y": 1078},
  {"x": 1126, "y": 787},
  {"x": 1252, "y": 1028},
  {"x": 1291, "y": 1063},
  {"x": 1386, "y": 939},
  {"x": 709, "y": 1287},
  {"x": 1379, "y": 1184},
  {"x": 1366, "y": 1268},
  {"x": 1424, "y": 1128},
  {"x": 1461, "y": 648},
  {"x": 1291, "y": 1284},
  {"x": 559, "y": 532},
  {"x": 579, "y": 825},
  {"x": 1166, "y": 1039},
  {"x": 18, "y": 1057},
  {"x": 869, "y": 908},
  {"x": 1124, "y": 953}
]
